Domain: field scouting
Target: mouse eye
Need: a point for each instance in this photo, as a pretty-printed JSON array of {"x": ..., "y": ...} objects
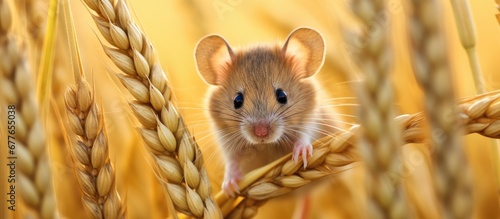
[
  {"x": 281, "y": 96},
  {"x": 238, "y": 101}
]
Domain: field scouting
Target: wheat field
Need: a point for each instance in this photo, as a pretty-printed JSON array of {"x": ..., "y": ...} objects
[{"x": 110, "y": 118}]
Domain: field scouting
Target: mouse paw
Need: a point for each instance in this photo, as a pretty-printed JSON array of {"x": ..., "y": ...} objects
[
  {"x": 230, "y": 184},
  {"x": 302, "y": 149}
]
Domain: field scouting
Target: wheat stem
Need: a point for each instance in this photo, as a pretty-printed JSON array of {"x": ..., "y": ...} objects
[
  {"x": 467, "y": 35},
  {"x": 476, "y": 70},
  {"x": 34, "y": 181},
  {"x": 44, "y": 80},
  {"x": 176, "y": 154},
  {"x": 431, "y": 68}
]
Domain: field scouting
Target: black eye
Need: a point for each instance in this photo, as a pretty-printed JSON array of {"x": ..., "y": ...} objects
[
  {"x": 238, "y": 101},
  {"x": 281, "y": 96}
]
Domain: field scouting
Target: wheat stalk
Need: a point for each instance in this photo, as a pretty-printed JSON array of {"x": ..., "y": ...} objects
[
  {"x": 467, "y": 34},
  {"x": 380, "y": 137},
  {"x": 34, "y": 179},
  {"x": 451, "y": 178},
  {"x": 339, "y": 152},
  {"x": 174, "y": 151},
  {"x": 94, "y": 171}
]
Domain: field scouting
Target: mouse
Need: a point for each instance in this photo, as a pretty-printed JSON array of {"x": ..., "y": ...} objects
[{"x": 263, "y": 101}]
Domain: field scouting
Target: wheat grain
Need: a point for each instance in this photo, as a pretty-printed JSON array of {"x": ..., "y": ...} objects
[
  {"x": 380, "y": 139},
  {"x": 337, "y": 153},
  {"x": 95, "y": 173},
  {"x": 452, "y": 179},
  {"x": 163, "y": 128},
  {"x": 35, "y": 184}
]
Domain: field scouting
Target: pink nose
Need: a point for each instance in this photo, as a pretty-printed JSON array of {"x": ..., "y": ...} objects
[{"x": 261, "y": 129}]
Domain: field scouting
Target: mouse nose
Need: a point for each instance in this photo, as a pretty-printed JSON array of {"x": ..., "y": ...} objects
[{"x": 261, "y": 129}]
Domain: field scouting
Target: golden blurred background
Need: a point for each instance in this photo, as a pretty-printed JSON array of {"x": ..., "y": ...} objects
[{"x": 174, "y": 27}]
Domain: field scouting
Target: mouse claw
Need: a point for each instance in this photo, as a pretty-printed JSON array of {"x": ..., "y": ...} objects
[
  {"x": 231, "y": 188},
  {"x": 230, "y": 185},
  {"x": 304, "y": 150},
  {"x": 295, "y": 156},
  {"x": 304, "y": 159}
]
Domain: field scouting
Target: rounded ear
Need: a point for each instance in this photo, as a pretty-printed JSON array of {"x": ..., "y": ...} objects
[
  {"x": 211, "y": 53},
  {"x": 308, "y": 46}
]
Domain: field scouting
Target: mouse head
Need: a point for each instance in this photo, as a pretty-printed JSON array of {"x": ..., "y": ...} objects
[{"x": 261, "y": 94}]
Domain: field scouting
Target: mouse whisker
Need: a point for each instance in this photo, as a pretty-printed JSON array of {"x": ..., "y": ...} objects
[
  {"x": 222, "y": 111},
  {"x": 326, "y": 102},
  {"x": 300, "y": 130},
  {"x": 287, "y": 140},
  {"x": 227, "y": 114},
  {"x": 200, "y": 116},
  {"x": 302, "y": 113},
  {"x": 319, "y": 129},
  {"x": 230, "y": 119},
  {"x": 334, "y": 120},
  {"x": 286, "y": 109},
  {"x": 209, "y": 152},
  {"x": 192, "y": 108},
  {"x": 230, "y": 133},
  {"x": 326, "y": 119},
  {"x": 210, "y": 133},
  {"x": 237, "y": 141},
  {"x": 291, "y": 143},
  {"x": 236, "y": 145},
  {"x": 341, "y": 98},
  {"x": 335, "y": 114},
  {"x": 339, "y": 105},
  {"x": 332, "y": 125},
  {"x": 197, "y": 121},
  {"x": 338, "y": 121}
]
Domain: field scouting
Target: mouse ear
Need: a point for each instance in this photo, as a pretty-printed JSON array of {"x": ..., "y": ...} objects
[
  {"x": 211, "y": 54},
  {"x": 308, "y": 46}
]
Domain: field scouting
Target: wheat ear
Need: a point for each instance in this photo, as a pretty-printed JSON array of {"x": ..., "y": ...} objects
[
  {"x": 94, "y": 171},
  {"x": 174, "y": 151},
  {"x": 34, "y": 181},
  {"x": 339, "y": 152},
  {"x": 34, "y": 16},
  {"x": 452, "y": 176},
  {"x": 380, "y": 144}
]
